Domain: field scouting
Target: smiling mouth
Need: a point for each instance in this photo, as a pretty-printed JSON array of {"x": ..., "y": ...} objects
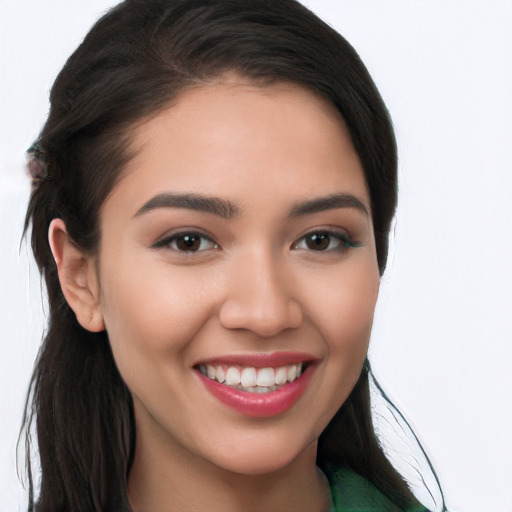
[{"x": 251, "y": 379}]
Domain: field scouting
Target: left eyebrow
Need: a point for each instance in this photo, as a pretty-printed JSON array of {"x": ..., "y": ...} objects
[{"x": 329, "y": 202}]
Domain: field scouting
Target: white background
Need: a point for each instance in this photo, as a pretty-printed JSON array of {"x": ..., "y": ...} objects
[{"x": 442, "y": 343}]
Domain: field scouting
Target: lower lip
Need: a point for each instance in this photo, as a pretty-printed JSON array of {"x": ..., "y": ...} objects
[{"x": 260, "y": 405}]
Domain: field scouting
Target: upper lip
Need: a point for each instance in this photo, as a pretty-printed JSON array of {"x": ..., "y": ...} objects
[{"x": 261, "y": 360}]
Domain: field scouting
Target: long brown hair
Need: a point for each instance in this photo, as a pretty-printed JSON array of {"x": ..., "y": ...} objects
[{"x": 135, "y": 61}]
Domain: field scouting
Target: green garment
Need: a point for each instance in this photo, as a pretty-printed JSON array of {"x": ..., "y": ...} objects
[{"x": 354, "y": 493}]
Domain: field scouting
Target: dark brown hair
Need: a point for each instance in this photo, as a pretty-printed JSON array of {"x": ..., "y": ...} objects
[{"x": 135, "y": 61}]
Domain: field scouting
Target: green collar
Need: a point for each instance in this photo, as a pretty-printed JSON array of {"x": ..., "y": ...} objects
[{"x": 354, "y": 493}]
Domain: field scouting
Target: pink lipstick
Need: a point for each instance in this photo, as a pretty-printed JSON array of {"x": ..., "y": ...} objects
[{"x": 258, "y": 385}]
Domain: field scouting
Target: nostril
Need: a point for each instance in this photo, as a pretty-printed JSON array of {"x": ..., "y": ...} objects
[{"x": 264, "y": 318}]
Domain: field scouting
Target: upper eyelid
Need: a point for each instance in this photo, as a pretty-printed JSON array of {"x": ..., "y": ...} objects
[
  {"x": 326, "y": 229},
  {"x": 341, "y": 234},
  {"x": 169, "y": 236}
]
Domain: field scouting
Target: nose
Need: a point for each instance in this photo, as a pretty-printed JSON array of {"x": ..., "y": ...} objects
[{"x": 260, "y": 298}]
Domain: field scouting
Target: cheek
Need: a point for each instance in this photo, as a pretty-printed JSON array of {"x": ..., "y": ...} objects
[
  {"x": 150, "y": 316},
  {"x": 346, "y": 305},
  {"x": 345, "y": 321},
  {"x": 351, "y": 324}
]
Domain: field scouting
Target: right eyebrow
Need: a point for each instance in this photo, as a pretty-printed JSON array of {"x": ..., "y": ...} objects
[
  {"x": 214, "y": 205},
  {"x": 329, "y": 202}
]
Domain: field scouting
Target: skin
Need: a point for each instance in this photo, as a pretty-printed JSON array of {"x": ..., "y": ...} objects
[{"x": 256, "y": 287}]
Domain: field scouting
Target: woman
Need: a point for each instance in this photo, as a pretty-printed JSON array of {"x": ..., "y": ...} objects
[{"x": 212, "y": 197}]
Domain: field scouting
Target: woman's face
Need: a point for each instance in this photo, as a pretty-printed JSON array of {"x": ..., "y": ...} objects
[{"x": 239, "y": 244}]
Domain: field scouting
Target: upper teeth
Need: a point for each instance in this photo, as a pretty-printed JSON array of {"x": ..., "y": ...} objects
[{"x": 250, "y": 378}]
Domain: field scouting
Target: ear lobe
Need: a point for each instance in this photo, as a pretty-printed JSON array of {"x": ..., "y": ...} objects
[{"x": 78, "y": 277}]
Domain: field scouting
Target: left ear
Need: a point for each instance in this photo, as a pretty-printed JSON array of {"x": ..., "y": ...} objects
[{"x": 78, "y": 277}]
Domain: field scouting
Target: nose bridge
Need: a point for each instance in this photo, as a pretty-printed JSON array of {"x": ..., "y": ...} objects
[{"x": 260, "y": 296}]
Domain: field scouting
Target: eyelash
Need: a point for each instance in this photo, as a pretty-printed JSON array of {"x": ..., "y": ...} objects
[
  {"x": 186, "y": 237},
  {"x": 342, "y": 241}
]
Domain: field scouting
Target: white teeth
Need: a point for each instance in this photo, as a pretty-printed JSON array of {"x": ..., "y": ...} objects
[
  {"x": 263, "y": 389},
  {"x": 260, "y": 380},
  {"x": 291, "y": 373},
  {"x": 221, "y": 376},
  {"x": 265, "y": 377},
  {"x": 248, "y": 378},
  {"x": 233, "y": 376},
  {"x": 210, "y": 371},
  {"x": 280, "y": 377}
]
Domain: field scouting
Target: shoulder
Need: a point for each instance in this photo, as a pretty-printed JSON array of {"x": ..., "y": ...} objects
[{"x": 354, "y": 493}]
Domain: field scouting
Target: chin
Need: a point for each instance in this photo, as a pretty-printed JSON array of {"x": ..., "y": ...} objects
[{"x": 265, "y": 458}]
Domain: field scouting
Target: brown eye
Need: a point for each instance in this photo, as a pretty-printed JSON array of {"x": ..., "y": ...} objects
[
  {"x": 324, "y": 241},
  {"x": 187, "y": 242},
  {"x": 318, "y": 241}
]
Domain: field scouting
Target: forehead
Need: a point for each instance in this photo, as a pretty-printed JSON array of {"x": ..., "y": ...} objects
[{"x": 232, "y": 137}]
